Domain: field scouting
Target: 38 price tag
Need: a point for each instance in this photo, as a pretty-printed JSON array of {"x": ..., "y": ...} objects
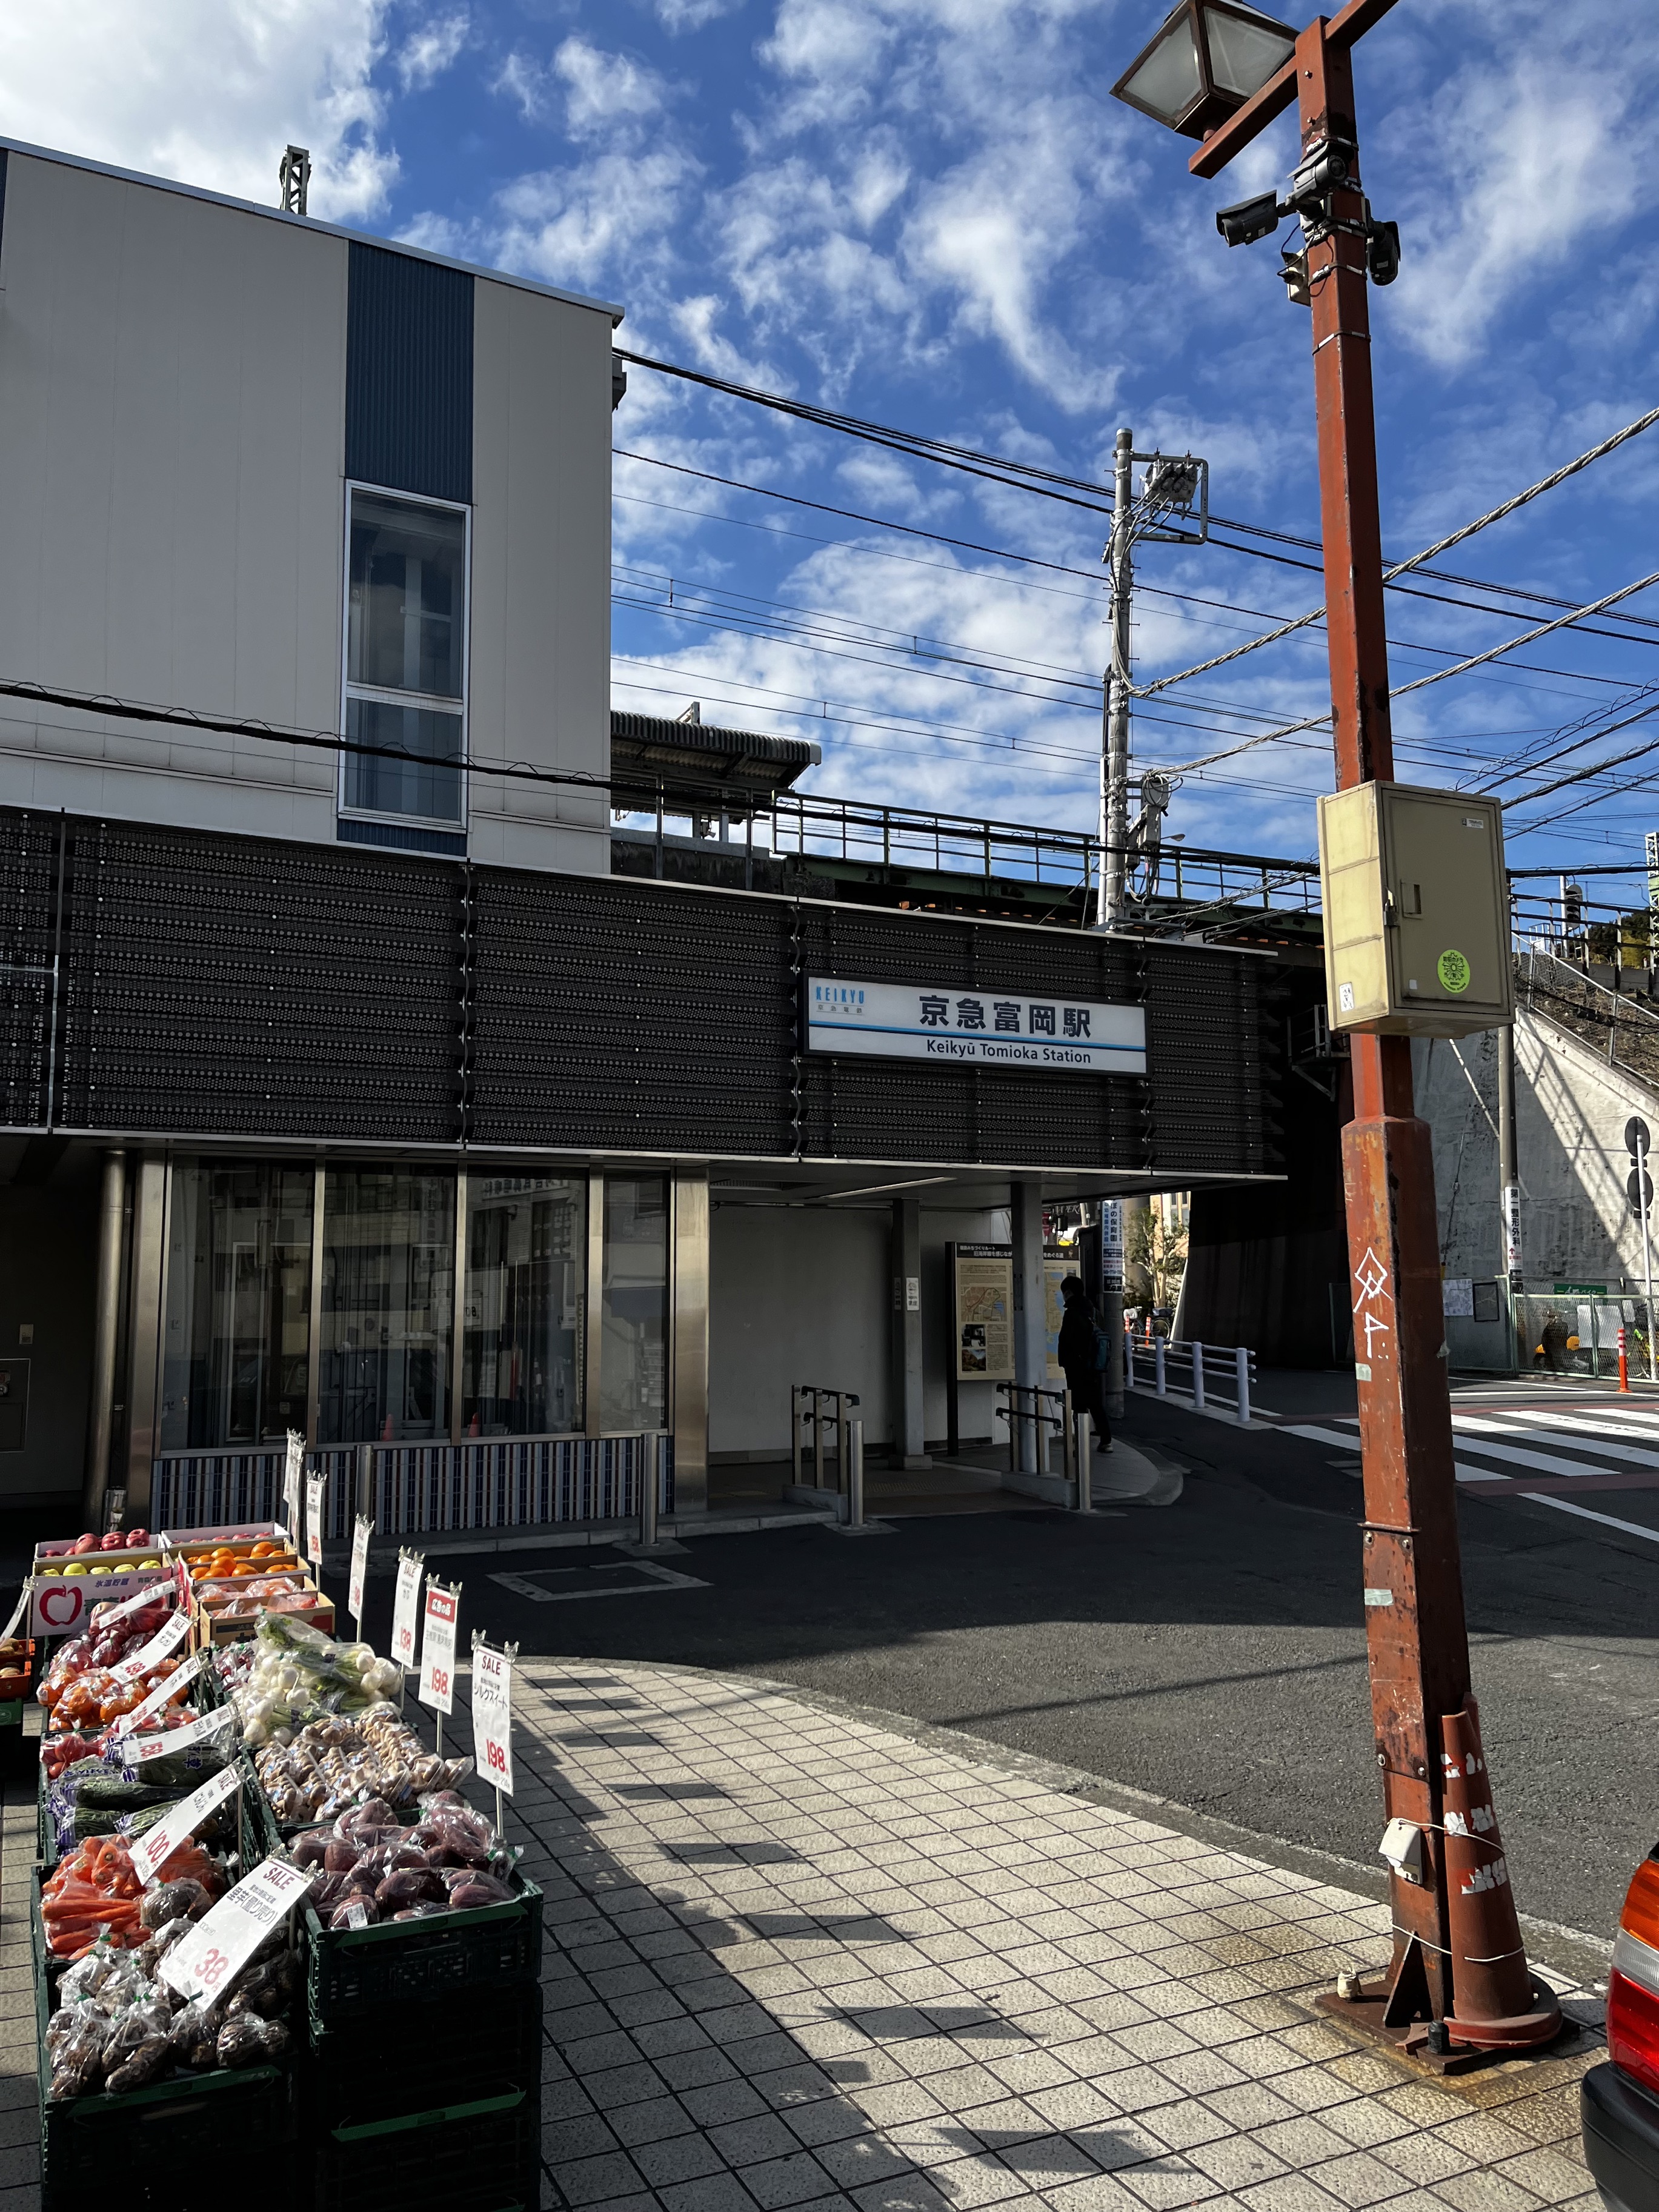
[
  {"x": 293, "y": 1473},
  {"x": 167, "y": 1639},
  {"x": 210, "y": 1957},
  {"x": 406, "y": 1609},
  {"x": 438, "y": 1650},
  {"x": 492, "y": 1716},
  {"x": 152, "y": 1850},
  {"x": 316, "y": 1486},
  {"x": 359, "y": 1568}
]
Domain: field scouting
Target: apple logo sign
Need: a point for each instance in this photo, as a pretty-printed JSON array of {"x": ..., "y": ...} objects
[{"x": 60, "y": 1607}]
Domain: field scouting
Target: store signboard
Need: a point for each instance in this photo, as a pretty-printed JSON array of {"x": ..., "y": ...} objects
[
  {"x": 982, "y": 1311},
  {"x": 902, "y": 1021}
]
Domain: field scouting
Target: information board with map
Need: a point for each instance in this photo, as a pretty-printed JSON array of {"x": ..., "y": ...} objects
[{"x": 982, "y": 1310}]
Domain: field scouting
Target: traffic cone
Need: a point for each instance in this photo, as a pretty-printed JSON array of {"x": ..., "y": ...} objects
[{"x": 1499, "y": 2005}]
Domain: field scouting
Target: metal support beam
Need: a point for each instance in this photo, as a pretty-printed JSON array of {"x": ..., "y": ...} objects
[
  {"x": 1031, "y": 1334},
  {"x": 1115, "y": 757},
  {"x": 100, "y": 1431},
  {"x": 689, "y": 1323},
  {"x": 144, "y": 1335},
  {"x": 905, "y": 1389}
]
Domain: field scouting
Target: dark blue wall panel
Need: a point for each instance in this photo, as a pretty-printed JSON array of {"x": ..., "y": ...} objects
[{"x": 409, "y": 374}]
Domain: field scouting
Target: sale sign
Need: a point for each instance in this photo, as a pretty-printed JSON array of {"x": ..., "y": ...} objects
[
  {"x": 492, "y": 1716},
  {"x": 359, "y": 1568},
  {"x": 207, "y": 1961},
  {"x": 315, "y": 1486},
  {"x": 438, "y": 1650}
]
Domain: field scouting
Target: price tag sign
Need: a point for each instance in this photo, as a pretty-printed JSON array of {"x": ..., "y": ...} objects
[
  {"x": 152, "y": 1850},
  {"x": 18, "y": 1611},
  {"x": 293, "y": 1475},
  {"x": 359, "y": 1568},
  {"x": 157, "y": 1594},
  {"x": 216, "y": 1949},
  {"x": 438, "y": 1650},
  {"x": 492, "y": 1716},
  {"x": 167, "y": 1639},
  {"x": 165, "y": 1693},
  {"x": 138, "y": 1751},
  {"x": 406, "y": 1609},
  {"x": 316, "y": 1485}
]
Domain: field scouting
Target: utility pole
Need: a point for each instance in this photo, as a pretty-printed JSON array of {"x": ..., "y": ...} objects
[
  {"x": 1114, "y": 752},
  {"x": 1417, "y": 1636},
  {"x": 1509, "y": 1183}
]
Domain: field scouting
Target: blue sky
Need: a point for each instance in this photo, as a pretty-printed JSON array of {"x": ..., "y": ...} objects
[{"x": 928, "y": 212}]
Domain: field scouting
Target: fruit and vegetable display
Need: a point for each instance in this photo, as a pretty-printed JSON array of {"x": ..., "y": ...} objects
[
  {"x": 372, "y": 1868},
  {"x": 233, "y": 1560},
  {"x": 98, "y": 1796},
  {"x": 14, "y": 1654},
  {"x": 96, "y": 1896},
  {"x": 90, "y": 1555},
  {"x": 119, "y": 2027},
  {"x": 79, "y": 1690},
  {"x": 247, "y": 1597},
  {"x": 332, "y": 1764},
  {"x": 291, "y": 1674}
]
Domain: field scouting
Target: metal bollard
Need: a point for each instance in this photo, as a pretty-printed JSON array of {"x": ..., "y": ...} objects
[
  {"x": 817, "y": 1439},
  {"x": 1242, "y": 1359},
  {"x": 1198, "y": 1378},
  {"x": 1067, "y": 1437},
  {"x": 648, "y": 1466},
  {"x": 855, "y": 1474},
  {"x": 796, "y": 1393},
  {"x": 1158, "y": 1367},
  {"x": 1086, "y": 1476},
  {"x": 1129, "y": 1357}
]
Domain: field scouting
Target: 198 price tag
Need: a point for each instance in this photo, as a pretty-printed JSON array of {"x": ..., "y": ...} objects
[
  {"x": 210, "y": 1957},
  {"x": 406, "y": 1609},
  {"x": 492, "y": 1716},
  {"x": 438, "y": 1650},
  {"x": 152, "y": 1850},
  {"x": 359, "y": 1567}
]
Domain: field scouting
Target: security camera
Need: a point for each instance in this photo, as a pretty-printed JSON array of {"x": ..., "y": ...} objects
[
  {"x": 1249, "y": 220},
  {"x": 1383, "y": 252},
  {"x": 1318, "y": 177}
]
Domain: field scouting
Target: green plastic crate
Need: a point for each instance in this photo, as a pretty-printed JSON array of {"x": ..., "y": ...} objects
[
  {"x": 483, "y": 2042},
  {"x": 482, "y": 2157}
]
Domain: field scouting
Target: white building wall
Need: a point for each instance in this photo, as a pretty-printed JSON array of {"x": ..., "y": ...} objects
[
  {"x": 172, "y": 378},
  {"x": 172, "y": 431},
  {"x": 1570, "y": 1111},
  {"x": 541, "y": 576}
]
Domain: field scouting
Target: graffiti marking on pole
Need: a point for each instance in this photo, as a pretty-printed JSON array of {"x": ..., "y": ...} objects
[{"x": 1372, "y": 1278}]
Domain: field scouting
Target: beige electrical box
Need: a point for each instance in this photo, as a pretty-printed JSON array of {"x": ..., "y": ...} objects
[{"x": 1417, "y": 911}]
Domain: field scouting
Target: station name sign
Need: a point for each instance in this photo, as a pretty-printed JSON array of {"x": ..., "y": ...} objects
[{"x": 902, "y": 1021}]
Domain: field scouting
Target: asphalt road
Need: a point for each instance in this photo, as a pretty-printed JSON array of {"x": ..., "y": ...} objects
[{"x": 1212, "y": 1653}]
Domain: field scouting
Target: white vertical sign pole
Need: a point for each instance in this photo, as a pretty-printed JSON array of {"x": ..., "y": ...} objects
[
  {"x": 316, "y": 1488},
  {"x": 492, "y": 1716},
  {"x": 406, "y": 1609},
  {"x": 359, "y": 1569},
  {"x": 438, "y": 1652}
]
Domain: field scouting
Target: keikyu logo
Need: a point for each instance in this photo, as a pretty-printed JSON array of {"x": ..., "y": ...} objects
[{"x": 1453, "y": 971}]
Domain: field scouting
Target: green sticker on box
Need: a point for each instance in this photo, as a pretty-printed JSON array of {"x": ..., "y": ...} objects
[{"x": 1453, "y": 972}]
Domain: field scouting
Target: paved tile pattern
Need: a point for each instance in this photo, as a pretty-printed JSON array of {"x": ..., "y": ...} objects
[{"x": 796, "y": 1960}]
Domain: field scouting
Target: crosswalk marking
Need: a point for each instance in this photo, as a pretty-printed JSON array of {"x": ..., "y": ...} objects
[{"x": 1472, "y": 1432}]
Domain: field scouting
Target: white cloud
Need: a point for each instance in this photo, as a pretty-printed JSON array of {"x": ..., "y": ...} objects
[
  {"x": 206, "y": 91},
  {"x": 604, "y": 90},
  {"x": 612, "y": 215},
  {"x": 431, "y": 49},
  {"x": 676, "y": 16}
]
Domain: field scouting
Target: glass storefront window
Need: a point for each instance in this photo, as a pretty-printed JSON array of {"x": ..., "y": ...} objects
[
  {"x": 634, "y": 1346},
  {"x": 523, "y": 1335},
  {"x": 237, "y": 1332},
  {"x": 388, "y": 1293}
]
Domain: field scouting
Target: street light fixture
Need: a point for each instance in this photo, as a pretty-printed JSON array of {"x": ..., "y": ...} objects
[
  {"x": 1459, "y": 1984},
  {"x": 1209, "y": 59}
]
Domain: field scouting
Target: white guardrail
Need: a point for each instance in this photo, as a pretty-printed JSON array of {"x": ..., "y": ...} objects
[{"x": 1199, "y": 1368}]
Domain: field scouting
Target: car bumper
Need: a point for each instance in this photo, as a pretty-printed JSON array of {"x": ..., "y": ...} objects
[{"x": 1621, "y": 2139}]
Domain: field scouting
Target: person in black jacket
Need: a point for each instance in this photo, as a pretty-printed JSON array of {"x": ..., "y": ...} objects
[{"x": 1077, "y": 1330}]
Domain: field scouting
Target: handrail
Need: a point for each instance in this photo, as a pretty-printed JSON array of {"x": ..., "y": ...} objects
[
  {"x": 815, "y": 1420},
  {"x": 1237, "y": 1357}
]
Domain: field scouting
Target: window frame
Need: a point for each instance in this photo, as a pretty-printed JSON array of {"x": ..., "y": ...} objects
[{"x": 425, "y": 702}]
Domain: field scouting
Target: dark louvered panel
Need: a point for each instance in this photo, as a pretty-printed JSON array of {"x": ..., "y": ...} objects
[
  {"x": 409, "y": 374},
  {"x": 1204, "y": 1028},
  {"x": 28, "y": 860},
  {"x": 860, "y": 946},
  {"x": 240, "y": 986},
  {"x": 627, "y": 1016}
]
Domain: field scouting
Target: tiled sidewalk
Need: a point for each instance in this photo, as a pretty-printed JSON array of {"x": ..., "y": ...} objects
[{"x": 796, "y": 1960}]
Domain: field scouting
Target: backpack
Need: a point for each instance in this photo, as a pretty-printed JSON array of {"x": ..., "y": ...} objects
[{"x": 1102, "y": 1350}]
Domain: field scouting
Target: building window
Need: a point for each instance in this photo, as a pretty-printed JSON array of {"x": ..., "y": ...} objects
[
  {"x": 523, "y": 1338},
  {"x": 388, "y": 1293},
  {"x": 634, "y": 1349},
  {"x": 237, "y": 1319},
  {"x": 405, "y": 658}
]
